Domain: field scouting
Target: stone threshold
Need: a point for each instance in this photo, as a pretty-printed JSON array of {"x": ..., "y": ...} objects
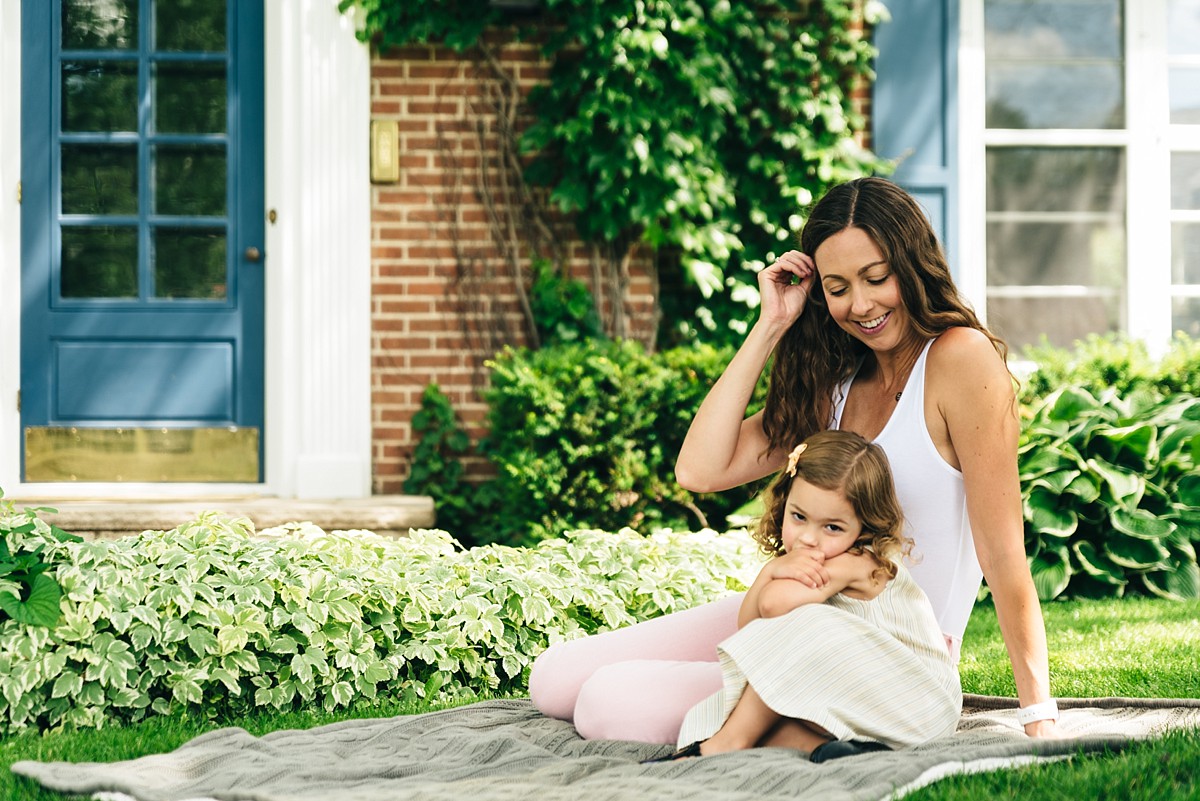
[{"x": 387, "y": 515}]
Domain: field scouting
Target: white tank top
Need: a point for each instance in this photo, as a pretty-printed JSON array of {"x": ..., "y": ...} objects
[{"x": 934, "y": 502}]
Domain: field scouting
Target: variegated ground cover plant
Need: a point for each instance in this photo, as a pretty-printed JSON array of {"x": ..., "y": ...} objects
[
  {"x": 212, "y": 617},
  {"x": 1112, "y": 494}
]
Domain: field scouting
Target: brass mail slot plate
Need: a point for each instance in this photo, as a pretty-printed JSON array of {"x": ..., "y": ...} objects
[{"x": 228, "y": 454}]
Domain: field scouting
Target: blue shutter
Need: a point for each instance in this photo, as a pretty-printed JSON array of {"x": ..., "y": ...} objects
[{"x": 915, "y": 108}]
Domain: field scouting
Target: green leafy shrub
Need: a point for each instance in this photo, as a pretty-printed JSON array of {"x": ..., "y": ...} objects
[
  {"x": 585, "y": 435},
  {"x": 209, "y": 619},
  {"x": 563, "y": 308},
  {"x": 1179, "y": 369},
  {"x": 28, "y": 545},
  {"x": 1112, "y": 494},
  {"x": 437, "y": 468},
  {"x": 1113, "y": 361}
]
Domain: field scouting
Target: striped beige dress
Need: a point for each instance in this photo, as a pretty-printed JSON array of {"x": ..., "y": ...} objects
[{"x": 870, "y": 670}]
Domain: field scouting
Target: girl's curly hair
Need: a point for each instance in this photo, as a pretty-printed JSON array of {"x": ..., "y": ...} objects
[{"x": 844, "y": 462}]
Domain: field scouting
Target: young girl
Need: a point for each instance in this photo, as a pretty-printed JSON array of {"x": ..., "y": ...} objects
[{"x": 849, "y": 657}]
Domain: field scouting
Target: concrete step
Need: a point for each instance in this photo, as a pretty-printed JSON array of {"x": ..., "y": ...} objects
[{"x": 387, "y": 515}]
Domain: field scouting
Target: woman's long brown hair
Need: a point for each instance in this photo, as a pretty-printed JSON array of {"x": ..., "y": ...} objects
[{"x": 815, "y": 355}]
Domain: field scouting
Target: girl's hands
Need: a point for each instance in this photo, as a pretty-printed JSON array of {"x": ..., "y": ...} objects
[
  {"x": 805, "y": 565},
  {"x": 782, "y": 300}
]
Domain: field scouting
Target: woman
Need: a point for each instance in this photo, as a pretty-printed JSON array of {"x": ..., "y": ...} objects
[{"x": 889, "y": 351}]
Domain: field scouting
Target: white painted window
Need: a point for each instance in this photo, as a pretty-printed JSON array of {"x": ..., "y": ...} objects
[{"x": 1088, "y": 129}]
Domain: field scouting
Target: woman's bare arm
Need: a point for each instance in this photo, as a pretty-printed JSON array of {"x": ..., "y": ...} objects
[
  {"x": 976, "y": 398},
  {"x": 723, "y": 448}
]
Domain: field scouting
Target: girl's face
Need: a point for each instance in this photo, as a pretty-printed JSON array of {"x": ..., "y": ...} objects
[
  {"x": 818, "y": 518},
  {"x": 862, "y": 292}
]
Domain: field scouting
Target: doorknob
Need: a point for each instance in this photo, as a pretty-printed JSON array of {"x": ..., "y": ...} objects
[{"x": 253, "y": 254}]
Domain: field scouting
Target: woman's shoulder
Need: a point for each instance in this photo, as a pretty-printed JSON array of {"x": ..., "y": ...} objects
[
  {"x": 962, "y": 353},
  {"x": 962, "y": 341}
]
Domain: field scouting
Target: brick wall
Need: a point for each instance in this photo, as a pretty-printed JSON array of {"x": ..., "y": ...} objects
[{"x": 444, "y": 297}]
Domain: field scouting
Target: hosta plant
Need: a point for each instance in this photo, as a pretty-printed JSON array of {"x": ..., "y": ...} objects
[
  {"x": 1112, "y": 495},
  {"x": 28, "y": 545},
  {"x": 211, "y": 618}
]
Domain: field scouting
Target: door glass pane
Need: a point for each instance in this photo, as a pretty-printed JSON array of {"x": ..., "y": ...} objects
[
  {"x": 189, "y": 179},
  {"x": 99, "y": 24},
  {"x": 1185, "y": 181},
  {"x": 189, "y": 263},
  {"x": 189, "y": 97},
  {"x": 1185, "y": 253},
  {"x": 99, "y": 262},
  {"x": 99, "y": 96},
  {"x": 99, "y": 179},
  {"x": 190, "y": 25},
  {"x": 1054, "y": 64}
]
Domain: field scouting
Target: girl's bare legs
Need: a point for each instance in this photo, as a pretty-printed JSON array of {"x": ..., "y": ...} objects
[{"x": 752, "y": 723}]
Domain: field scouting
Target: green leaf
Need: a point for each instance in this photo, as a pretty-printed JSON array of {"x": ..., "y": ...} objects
[
  {"x": 187, "y": 691},
  {"x": 1071, "y": 403},
  {"x": 1123, "y": 485},
  {"x": 1133, "y": 552},
  {"x": 1181, "y": 582},
  {"x": 1137, "y": 442},
  {"x": 1047, "y": 518},
  {"x": 67, "y": 685},
  {"x": 1051, "y": 573},
  {"x": 1097, "y": 565},
  {"x": 1057, "y": 481},
  {"x": 41, "y": 605},
  {"x": 1141, "y": 524},
  {"x": 1083, "y": 487}
]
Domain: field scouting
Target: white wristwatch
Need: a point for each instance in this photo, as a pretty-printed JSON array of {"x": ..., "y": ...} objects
[{"x": 1047, "y": 710}]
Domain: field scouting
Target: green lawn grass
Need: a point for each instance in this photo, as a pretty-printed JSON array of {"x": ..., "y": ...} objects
[{"x": 1133, "y": 647}]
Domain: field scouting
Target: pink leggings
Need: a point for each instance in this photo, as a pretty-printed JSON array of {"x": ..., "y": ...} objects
[{"x": 635, "y": 683}]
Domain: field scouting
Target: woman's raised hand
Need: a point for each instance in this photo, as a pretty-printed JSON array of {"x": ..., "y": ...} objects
[{"x": 783, "y": 287}]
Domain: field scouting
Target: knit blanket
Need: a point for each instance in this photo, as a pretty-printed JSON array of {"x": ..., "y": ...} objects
[{"x": 504, "y": 750}]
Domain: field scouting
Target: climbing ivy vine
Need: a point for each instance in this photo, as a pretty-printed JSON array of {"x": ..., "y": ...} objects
[{"x": 702, "y": 128}]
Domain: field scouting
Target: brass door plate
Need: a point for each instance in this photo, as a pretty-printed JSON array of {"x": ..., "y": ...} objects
[{"x": 227, "y": 454}]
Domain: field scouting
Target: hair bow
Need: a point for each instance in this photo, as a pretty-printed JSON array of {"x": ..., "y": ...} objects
[{"x": 794, "y": 457}]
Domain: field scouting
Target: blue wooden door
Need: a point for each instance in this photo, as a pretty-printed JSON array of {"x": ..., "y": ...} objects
[{"x": 142, "y": 223}]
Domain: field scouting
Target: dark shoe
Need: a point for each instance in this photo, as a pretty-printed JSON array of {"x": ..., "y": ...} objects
[
  {"x": 836, "y": 749},
  {"x": 692, "y": 750}
]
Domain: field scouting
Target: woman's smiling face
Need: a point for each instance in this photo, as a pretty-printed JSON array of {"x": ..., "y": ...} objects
[{"x": 861, "y": 290}]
